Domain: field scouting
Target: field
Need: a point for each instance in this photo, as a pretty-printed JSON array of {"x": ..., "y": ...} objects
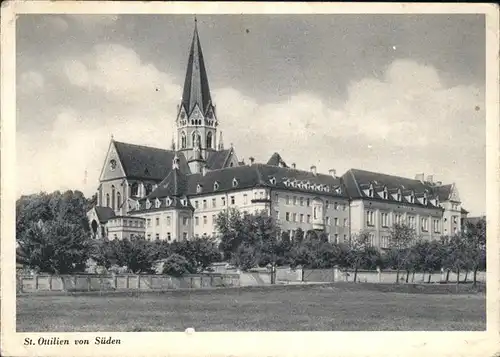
[{"x": 339, "y": 307}]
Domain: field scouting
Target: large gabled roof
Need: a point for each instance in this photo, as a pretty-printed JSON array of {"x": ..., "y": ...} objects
[
  {"x": 146, "y": 162},
  {"x": 263, "y": 175},
  {"x": 104, "y": 214},
  {"x": 174, "y": 185},
  {"x": 276, "y": 160},
  {"x": 357, "y": 181},
  {"x": 218, "y": 159}
]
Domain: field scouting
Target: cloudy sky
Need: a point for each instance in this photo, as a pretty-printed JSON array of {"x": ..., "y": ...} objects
[{"x": 399, "y": 94}]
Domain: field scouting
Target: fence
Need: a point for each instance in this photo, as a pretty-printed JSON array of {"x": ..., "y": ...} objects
[
  {"x": 386, "y": 276},
  {"x": 34, "y": 283}
]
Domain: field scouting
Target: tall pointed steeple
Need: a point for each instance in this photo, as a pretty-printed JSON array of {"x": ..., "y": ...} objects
[
  {"x": 196, "y": 117},
  {"x": 196, "y": 88}
]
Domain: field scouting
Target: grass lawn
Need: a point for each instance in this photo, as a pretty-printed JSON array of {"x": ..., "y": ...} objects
[{"x": 338, "y": 307}]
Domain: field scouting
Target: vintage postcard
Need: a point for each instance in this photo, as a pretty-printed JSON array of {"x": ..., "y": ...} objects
[{"x": 249, "y": 179}]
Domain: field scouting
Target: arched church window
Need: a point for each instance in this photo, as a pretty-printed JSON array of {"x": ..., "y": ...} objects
[
  {"x": 118, "y": 200},
  {"x": 209, "y": 139},
  {"x": 196, "y": 136},
  {"x": 183, "y": 140},
  {"x": 134, "y": 189},
  {"x": 113, "y": 197},
  {"x": 107, "y": 199}
]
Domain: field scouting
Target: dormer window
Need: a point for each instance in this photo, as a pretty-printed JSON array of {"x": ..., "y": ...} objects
[
  {"x": 385, "y": 194},
  {"x": 412, "y": 198},
  {"x": 370, "y": 191},
  {"x": 338, "y": 190},
  {"x": 308, "y": 185},
  {"x": 137, "y": 205},
  {"x": 327, "y": 188},
  {"x": 273, "y": 181},
  {"x": 235, "y": 182},
  {"x": 168, "y": 201},
  {"x": 184, "y": 202},
  {"x": 294, "y": 184},
  {"x": 148, "y": 204},
  {"x": 199, "y": 188},
  {"x": 216, "y": 186},
  {"x": 398, "y": 196},
  {"x": 157, "y": 203}
]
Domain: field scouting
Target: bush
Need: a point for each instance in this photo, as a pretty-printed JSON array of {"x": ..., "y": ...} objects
[{"x": 177, "y": 265}]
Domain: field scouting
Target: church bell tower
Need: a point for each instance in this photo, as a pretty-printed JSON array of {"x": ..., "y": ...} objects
[{"x": 196, "y": 120}]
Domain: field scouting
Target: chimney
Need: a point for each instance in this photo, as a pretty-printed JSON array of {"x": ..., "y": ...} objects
[
  {"x": 419, "y": 177},
  {"x": 332, "y": 172},
  {"x": 252, "y": 159},
  {"x": 313, "y": 169},
  {"x": 430, "y": 178},
  {"x": 293, "y": 165}
]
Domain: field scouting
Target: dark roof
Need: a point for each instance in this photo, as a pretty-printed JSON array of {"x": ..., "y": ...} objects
[
  {"x": 174, "y": 185},
  {"x": 356, "y": 181},
  {"x": 253, "y": 176},
  {"x": 104, "y": 214},
  {"x": 444, "y": 191},
  {"x": 217, "y": 159},
  {"x": 196, "y": 89},
  {"x": 276, "y": 160},
  {"x": 146, "y": 162}
]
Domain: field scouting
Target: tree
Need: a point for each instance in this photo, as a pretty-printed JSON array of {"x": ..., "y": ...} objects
[
  {"x": 428, "y": 257},
  {"x": 357, "y": 248},
  {"x": 298, "y": 236},
  {"x": 458, "y": 254},
  {"x": 53, "y": 247},
  {"x": 200, "y": 252},
  {"x": 229, "y": 224},
  {"x": 53, "y": 227},
  {"x": 474, "y": 236},
  {"x": 177, "y": 265},
  {"x": 246, "y": 256},
  {"x": 258, "y": 230},
  {"x": 400, "y": 240},
  {"x": 135, "y": 253}
]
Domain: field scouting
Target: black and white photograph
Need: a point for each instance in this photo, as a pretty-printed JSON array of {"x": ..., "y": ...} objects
[{"x": 212, "y": 171}]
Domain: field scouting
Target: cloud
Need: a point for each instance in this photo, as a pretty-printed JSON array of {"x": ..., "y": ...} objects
[
  {"x": 90, "y": 21},
  {"x": 410, "y": 121},
  {"x": 56, "y": 23},
  {"x": 31, "y": 81},
  {"x": 119, "y": 73}
]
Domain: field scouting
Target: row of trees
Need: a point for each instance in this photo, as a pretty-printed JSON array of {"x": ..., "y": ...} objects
[
  {"x": 249, "y": 240},
  {"x": 53, "y": 236}
]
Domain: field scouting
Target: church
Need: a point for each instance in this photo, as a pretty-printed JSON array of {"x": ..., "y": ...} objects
[{"x": 177, "y": 194}]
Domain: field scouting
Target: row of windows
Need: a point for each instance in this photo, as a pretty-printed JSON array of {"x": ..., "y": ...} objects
[
  {"x": 196, "y": 138},
  {"x": 410, "y": 220},
  {"x": 168, "y": 237},
  {"x": 299, "y": 218},
  {"x": 232, "y": 200},
  {"x": 205, "y": 220},
  {"x": 168, "y": 221},
  {"x": 291, "y": 233},
  {"x": 301, "y": 201},
  {"x": 110, "y": 201}
]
